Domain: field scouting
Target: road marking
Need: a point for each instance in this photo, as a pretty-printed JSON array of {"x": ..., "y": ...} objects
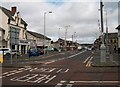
[
  {"x": 75, "y": 54},
  {"x": 71, "y": 83},
  {"x": 49, "y": 62},
  {"x": 50, "y": 79},
  {"x": 67, "y": 70},
  {"x": 52, "y": 61},
  {"x": 86, "y": 59},
  {"x": 104, "y": 82},
  {"x": 34, "y": 78},
  {"x": 59, "y": 70},
  {"x": 58, "y": 85},
  {"x": 89, "y": 62},
  {"x": 63, "y": 81}
]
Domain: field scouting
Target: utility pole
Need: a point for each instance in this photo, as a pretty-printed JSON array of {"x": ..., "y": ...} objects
[
  {"x": 106, "y": 34},
  {"x": 59, "y": 40},
  {"x": 102, "y": 48},
  {"x": 65, "y": 37}
]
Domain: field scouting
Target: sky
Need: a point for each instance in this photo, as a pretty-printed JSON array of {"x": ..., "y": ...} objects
[{"x": 79, "y": 17}]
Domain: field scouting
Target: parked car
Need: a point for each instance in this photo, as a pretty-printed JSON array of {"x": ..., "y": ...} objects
[
  {"x": 34, "y": 52},
  {"x": 7, "y": 52}
]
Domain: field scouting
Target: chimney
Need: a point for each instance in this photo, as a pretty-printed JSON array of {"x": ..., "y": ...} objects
[{"x": 13, "y": 10}]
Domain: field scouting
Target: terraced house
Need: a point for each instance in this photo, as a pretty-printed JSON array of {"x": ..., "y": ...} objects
[
  {"x": 13, "y": 30},
  {"x": 118, "y": 28},
  {"x": 37, "y": 39}
]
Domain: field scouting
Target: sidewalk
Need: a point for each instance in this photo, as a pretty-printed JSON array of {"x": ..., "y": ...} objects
[
  {"x": 112, "y": 60},
  {"x": 24, "y": 60}
]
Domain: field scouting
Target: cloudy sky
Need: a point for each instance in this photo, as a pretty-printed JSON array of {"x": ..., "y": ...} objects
[{"x": 81, "y": 17}]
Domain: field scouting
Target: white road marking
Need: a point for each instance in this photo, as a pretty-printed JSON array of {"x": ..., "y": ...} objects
[
  {"x": 50, "y": 79},
  {"x": 58, "y": 85},
  {"x": 75, "y": 54},
  {"x": 64, "y": 58},
  {"x": 49, "y": 62},
  {"x": 104, "y": 82},
  {"x": 63, "y": 81},
  {"x": 67, "y": 70},
  {"x": 69, "y": 85},
  {"x": 59, "y": 70}
]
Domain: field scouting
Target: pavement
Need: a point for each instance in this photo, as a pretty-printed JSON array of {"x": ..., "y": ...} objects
[{"x": 112, "y": 60}]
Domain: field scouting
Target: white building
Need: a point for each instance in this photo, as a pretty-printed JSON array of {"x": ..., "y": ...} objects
[
  {"x": 37, "y": 39},
  {"x": 14, "y": 28}
]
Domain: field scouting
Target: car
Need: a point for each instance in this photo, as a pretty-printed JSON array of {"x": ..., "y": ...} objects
[
  {"x": 5, "y": 51},
  {"x": 34, "y": 52},
  {"x": 89, "y": 49},
  {"x": 8, "y": 52}
]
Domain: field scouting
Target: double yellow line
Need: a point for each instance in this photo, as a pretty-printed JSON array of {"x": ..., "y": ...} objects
[{"x": 88, "y": 61}]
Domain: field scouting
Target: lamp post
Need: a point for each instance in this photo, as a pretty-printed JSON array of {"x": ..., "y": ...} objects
[
  {"x": 102, "y": 48},
  {"x": 45, "y": 29},
  {"x": 107, "y": 45},
  {"x": 66, "y": 27},
  {"x": 59, "y": 40}
]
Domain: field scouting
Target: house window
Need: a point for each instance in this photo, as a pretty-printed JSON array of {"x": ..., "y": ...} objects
[{"x": 14, "y": 35}]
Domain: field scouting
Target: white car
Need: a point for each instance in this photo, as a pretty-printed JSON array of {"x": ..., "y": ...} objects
[{"x": 7, "y": 51}]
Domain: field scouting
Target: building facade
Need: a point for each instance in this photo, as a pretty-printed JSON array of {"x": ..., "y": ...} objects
[
  {"x": 112, "y": 41},
  {"x": 15, "y": 28},
  {"x": 37, "y": 39},
  {"x": 118, "y": 28}
]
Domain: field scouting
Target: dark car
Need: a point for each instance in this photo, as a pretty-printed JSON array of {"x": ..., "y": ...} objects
[{"x": 34, "y": 52}]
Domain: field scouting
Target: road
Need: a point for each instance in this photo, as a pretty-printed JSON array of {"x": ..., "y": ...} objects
[{"x": 66, "y": 69}]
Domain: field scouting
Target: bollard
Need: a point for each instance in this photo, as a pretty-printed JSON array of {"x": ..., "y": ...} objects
[
  {"x": 1, "y": 58},
  {"x": 103, "y": 53}
]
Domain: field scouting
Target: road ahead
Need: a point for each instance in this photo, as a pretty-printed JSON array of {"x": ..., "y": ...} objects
[{"x": 68, "y": 69}]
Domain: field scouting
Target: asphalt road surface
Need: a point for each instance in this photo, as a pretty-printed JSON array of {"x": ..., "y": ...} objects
[{"x": 66, "y": 69}]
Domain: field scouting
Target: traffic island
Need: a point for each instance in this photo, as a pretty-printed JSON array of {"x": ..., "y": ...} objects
[
  {"x": 112, "y": 60},
  {"x": 106, "y": 64}
]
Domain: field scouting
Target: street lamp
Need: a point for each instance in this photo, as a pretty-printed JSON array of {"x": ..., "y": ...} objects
[
  {"x": 66, "y": 27},
  {"x": 45, "y": 29},
  {"x": 106, "y": 34}
]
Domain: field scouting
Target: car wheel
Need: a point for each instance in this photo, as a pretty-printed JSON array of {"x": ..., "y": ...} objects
[{"x": 7, "y": 56}]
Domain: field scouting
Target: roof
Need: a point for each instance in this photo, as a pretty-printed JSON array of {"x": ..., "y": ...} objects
[
  {"x": 10, "y": 14},
  {"x": 1, "y": 29},
  {"x": 38, "y": 35},
  {"x": 118, "y": 27}
]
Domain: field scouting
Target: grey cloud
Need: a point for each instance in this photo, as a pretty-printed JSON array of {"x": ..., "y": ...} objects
[{"x": 81, "y": 16}]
